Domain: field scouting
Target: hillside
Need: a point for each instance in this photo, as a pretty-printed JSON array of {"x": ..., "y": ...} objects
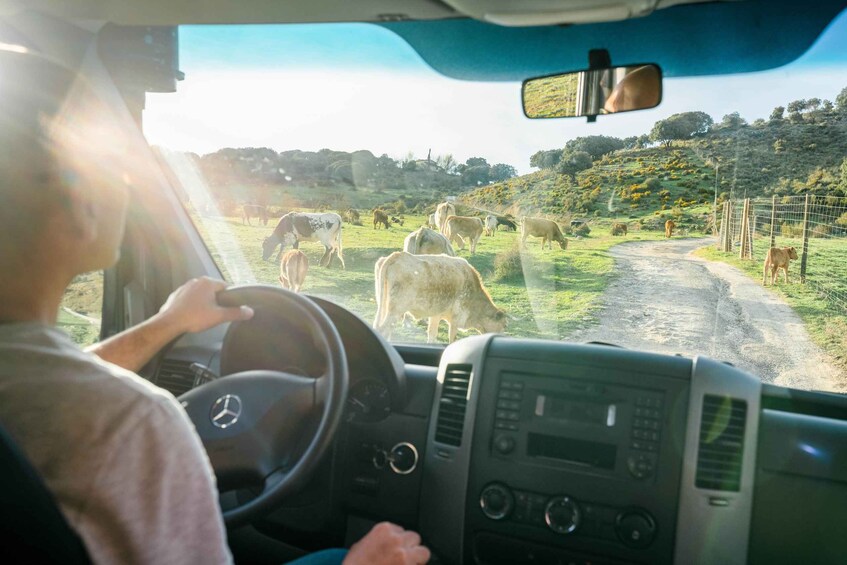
[{"x": 672, "y": 173}]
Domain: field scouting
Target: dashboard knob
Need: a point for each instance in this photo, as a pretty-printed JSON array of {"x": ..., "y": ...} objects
[
  {"x": 496, "y": 501},
  {"x": 504, "y": 444},
  {"x": 403, "y": 458},
  {"x": 562, "y": 515},
  {"x": 635, "y": 528}
]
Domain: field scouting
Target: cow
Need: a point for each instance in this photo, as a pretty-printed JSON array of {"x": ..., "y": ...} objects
[
  {"x": 437, "y": 287},
  {"x": 508, "y": 223},
  {"x": 431, "y": 222},
  {"x": 547, "y": 230},
  {"x": 380, "y": 218},
  {"x": 776, "y": 259},
  {"x": 295, "y": 227},
  {"x": 293, "y": 269},
  {"x": 351, "y": 216},
  {"x": 444, "y": 210},
  {"x": 618, "y": 229},
  {"x": 254, "y": 211},
  {"x": 490, "y": 224},
  {"x": 669, "y": 227},
  {"x": 457, "y": 228},
  {"x": 424, "y": 241},
  {"x": 398, "y": 221}
]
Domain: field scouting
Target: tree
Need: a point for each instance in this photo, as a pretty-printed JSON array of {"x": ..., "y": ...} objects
[
  {"x": 841, "y": 101},
  {"x": 778, "y": 114},
  {"x": 574, "y": 162},
  {"x": 630, "y": 142},
  {"x": 476, "y": 162},
  {"x": 795, "y": 109},
  {"x": 680, "y": 127},
  {"x": 594, "y": 145},
  {"x": 446, "y": 162},
  {"x": 733, "y": 121},
  {"x": 501, "y": 171},
  {"x": 546, "y": 159}
]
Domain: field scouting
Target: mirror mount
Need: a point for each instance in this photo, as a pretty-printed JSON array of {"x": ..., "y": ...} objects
[{"x": 597, "y": 59}]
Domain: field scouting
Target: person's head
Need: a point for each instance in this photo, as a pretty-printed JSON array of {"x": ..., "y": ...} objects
[{"x": 63, "y": 177}]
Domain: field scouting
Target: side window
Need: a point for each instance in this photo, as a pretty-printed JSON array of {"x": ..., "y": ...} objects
[{"x": 80, "y": 311}]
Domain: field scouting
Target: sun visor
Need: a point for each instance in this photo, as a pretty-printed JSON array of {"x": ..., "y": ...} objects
[{"x": 685, "y": 40}]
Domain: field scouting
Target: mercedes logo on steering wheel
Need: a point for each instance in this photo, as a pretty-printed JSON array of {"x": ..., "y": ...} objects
[{"x": 225, "y": 411}]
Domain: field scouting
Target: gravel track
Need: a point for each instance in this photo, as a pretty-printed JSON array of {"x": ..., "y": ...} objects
[{"x": 668, "y": 300}]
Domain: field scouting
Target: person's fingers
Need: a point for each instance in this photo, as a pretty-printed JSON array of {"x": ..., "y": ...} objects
[
  {"x": 419, "y": 554},
  {"x": 411, "y": 538},
  {"x": 236, "y": 314},
  {"x": 215, "y": 284}
]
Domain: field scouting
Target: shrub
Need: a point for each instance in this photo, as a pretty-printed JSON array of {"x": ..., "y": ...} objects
[
  {"x": 821, "y": 230},
  {"x": 791, "y": 230},
  {"x": 508, "y": 265},
  {"x": 582, "y": 230}
]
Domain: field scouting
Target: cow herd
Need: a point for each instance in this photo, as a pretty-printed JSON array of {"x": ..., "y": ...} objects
[{"x": 426, "y": 279}]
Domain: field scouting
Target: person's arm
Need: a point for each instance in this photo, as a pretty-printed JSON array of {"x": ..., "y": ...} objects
[{"x": 193, "y": 307}]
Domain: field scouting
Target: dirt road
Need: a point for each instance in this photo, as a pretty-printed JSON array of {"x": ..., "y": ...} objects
[{"x": 670, "y": 301}]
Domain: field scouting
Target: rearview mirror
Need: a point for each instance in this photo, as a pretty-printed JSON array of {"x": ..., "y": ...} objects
[{"x": 592, "y": 92}]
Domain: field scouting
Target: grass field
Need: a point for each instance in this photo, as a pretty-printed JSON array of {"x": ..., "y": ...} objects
[
  {"x": 553, "y": 294},
  {"x": 825, "y": 320}
]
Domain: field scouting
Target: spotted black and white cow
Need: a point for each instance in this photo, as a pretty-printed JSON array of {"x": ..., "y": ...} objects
[{"x": 295, "y": 227}]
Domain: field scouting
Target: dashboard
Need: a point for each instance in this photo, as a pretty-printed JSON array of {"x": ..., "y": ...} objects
[{"x": 530, "y": 451}]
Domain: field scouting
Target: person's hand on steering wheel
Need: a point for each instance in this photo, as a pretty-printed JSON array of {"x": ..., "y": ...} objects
[{"x": 388, "y": 544}]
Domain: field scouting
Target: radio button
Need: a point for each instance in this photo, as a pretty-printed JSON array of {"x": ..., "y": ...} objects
[
  {"x": 562, "y": 515},
  {"x": 640, "y": 466},
  {"x": 496, "y": 501},
  {"x": 504, "y": 444}
]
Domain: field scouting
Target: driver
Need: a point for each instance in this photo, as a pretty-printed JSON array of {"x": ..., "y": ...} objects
[{"x": 120, "y": 455}]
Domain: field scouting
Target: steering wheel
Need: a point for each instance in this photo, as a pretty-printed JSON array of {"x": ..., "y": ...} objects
[{"x": 264, "y": 428}]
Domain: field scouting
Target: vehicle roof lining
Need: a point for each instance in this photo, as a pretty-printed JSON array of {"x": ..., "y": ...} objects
[{"x": 751, "y": 36}]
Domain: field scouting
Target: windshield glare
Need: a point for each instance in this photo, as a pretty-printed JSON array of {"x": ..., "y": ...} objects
[{"x": 651, "y": 229}]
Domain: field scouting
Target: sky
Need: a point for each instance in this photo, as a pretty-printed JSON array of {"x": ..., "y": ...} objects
[{"x": 359, "y": 86}]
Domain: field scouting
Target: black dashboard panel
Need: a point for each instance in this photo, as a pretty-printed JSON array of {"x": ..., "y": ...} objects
[{"x": 583, "y": 449}]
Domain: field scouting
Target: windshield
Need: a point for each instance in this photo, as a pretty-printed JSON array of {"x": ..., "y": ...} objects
[{"x": 649, "y": 230}]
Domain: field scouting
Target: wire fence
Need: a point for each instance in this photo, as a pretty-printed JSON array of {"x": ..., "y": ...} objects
[{"x": 816, "y": 226}]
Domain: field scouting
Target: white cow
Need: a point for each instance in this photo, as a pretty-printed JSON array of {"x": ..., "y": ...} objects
[
  {"x": 437, "y": 287},
  {"x": 444, "y": 210},
  {"x": 490, "y": 224},
  {"x": 424, "y": 241},
  {"x": 295, "y": 227}
]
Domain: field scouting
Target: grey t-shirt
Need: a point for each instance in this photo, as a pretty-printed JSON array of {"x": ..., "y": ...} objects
[{"x": 118, "y": 453}]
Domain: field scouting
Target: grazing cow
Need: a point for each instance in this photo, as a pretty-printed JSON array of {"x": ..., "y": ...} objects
[
  {"x": 547, "y": 230},
  {"x": 776, "y": 259},
  {"x": 424, "y": 241},
  {"x": 619, "y": 229},
  {"x": 669, "y": 227},
  {"x": 444, "y": 210},
  {"x": 508, "y": 223},
  {"x": 351, "y": 216},
  {"x": 437, "y": 287},
  {"x": 295, "y": 227},
  {"x": 380, "y": 217},
  {"x": 457, "y": 228},
  {"x": 431, "y": 222},
  {"x": 254, "y": 211},
  {"x": 490, "y": 224},
  {"x": 398, "y": 221},
  {"x": 293, "y": 269}
]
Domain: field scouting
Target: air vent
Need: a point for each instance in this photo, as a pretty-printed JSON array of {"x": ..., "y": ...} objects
[
  {"x": 175, "y": 376},
  {"x": 721, "y": 443},
  {"x": 452, "y": 405}
]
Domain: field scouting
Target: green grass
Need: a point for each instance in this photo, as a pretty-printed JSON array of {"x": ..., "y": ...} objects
[
  {"x": 825, "y": 320},
  {"x": 85, "y": 297},
  {"x": 557, "y": 292}
]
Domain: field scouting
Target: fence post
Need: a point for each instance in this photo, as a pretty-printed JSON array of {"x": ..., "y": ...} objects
[
  {"x": 729, "y": 227},
  {"x": 722, "y": 235},
  {"x": 805, "y": 256},
  {"x": 744, "y": 240},
  {"x": 773, "y": 221}
]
